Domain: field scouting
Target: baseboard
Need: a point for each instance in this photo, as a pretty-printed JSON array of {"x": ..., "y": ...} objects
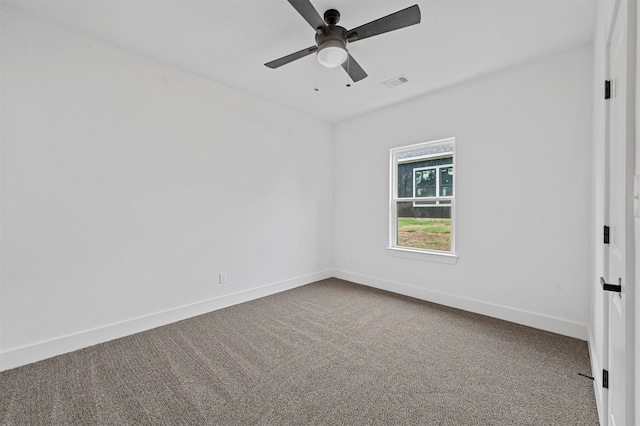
[
  {"x": 596, "y": 368},
  {"x": 46, "y": 349},
  {"x": 531, "y": 319}
]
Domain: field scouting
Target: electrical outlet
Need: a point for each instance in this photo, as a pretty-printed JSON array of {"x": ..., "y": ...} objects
[{"x": 222, "y": 278}]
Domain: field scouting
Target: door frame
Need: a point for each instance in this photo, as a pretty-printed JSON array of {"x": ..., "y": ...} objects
[
  {"x": 599, "y": 338},
  {"x": 630, "y": 321}
]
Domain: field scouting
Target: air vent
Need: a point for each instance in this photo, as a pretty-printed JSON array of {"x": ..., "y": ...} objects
[{"x": 395, "y": 82}]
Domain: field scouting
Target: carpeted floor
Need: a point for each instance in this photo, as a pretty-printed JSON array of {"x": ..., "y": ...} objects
[{"x": 331, "y": 352}]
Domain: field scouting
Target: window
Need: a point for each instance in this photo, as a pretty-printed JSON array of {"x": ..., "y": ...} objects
[{"x": 422, "y": 197}]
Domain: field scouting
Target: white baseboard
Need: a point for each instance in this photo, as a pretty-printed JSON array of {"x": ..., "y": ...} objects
[
  {"x": 60, "y": 345},
  {"x": 531, "y": 319},
  {"x": 46, "y": 349},
  {"x": 596, "y": 369}
]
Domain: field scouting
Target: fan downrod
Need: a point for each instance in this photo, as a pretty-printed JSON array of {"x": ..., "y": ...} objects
[{"x": 331, "y": 17}]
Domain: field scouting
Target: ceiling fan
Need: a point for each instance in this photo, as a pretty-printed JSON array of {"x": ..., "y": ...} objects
[{"x": 332, "y": 40}]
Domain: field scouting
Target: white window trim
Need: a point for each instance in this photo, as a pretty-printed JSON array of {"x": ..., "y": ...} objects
[
  {"x": 425, "y": 255},
  {"x": 416, "y": 253}
]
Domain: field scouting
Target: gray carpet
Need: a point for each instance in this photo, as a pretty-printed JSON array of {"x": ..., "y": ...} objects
[{"x": 331, "y": 352}]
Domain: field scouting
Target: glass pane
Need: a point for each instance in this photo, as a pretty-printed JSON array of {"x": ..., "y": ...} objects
[
  {"x": 424, "y": 228},
  {"x": 446, "y": 182},
  {"x": 425, "y": 183},
  {"x": 405, "y": 181},
  {"x": 425, "y": 157}
]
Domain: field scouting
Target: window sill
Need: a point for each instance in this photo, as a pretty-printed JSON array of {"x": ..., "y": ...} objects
[{"x": 428, "y": 256}]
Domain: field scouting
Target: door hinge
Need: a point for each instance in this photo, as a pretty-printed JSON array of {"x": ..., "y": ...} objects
[
  {"x": 605, "y": 379},
  {"x": 606, "y": 235},
  {"x": 607, "y": 89}
]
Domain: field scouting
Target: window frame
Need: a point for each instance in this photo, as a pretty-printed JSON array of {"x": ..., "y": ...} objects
[{"x": 414, "y": 252}]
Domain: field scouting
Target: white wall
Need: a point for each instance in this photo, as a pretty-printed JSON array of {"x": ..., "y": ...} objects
[
  {"x": 127, "y": 186},
  {"x": 523, "y": 163}
]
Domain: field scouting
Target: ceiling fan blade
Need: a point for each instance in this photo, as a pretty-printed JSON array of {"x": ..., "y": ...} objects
[
  {"x": 354, "y": 69},
  {"x": 292, "y": 57},
  {"x": 395, "y": 21},
  {"x": 308, "y": 12}
]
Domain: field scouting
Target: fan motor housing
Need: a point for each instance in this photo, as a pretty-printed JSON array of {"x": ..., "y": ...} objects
[{"x": 332, "y": 32}]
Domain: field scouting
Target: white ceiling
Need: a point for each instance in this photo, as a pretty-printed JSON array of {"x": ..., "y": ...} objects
[{"x": 229, "y": 41}]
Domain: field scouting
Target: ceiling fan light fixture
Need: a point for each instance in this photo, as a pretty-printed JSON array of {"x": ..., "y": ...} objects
[
  {"x": 332, "y": 53},
  {"x": 331, "y": 39}
]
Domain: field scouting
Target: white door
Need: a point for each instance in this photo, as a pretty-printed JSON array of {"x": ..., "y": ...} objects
[{"x": 620, "y": 167}]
